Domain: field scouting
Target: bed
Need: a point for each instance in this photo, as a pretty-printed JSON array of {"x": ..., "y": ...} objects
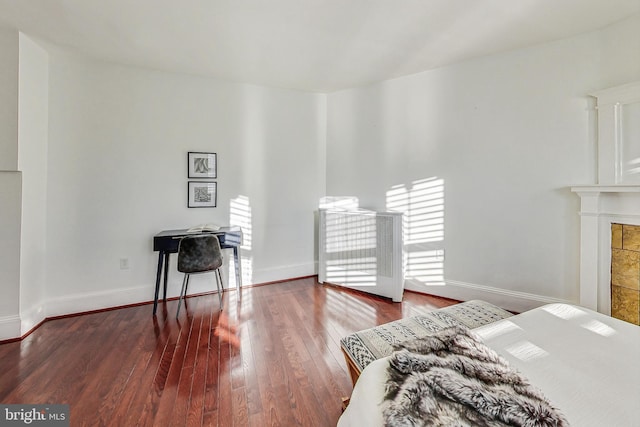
[{"x": 586, "y": 364}]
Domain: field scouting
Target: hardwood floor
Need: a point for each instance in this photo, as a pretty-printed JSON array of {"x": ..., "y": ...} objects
[{"x": 270, "y": 358}]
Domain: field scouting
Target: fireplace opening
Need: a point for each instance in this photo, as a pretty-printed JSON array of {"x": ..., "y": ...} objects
[{"x": 625, "y": 272}]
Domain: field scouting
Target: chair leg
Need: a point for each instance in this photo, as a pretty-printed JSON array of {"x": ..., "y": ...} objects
[
  {"x": 219, "y": 285},
  {"x": 183, "y": 291}
]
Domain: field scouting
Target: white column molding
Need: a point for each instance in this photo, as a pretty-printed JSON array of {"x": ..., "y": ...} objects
[
  {"x": 589, "y": 231},
  {"x": 612, "y": 164}
]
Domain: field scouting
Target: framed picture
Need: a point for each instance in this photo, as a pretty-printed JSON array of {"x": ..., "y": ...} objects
[
  {"x": 202, "y": 194},
  {"x": 202, "y": 165}
]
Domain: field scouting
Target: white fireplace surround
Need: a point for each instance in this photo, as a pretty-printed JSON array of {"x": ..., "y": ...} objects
[
  {"x": 601, "y": 206},
  {"x": 616, "y": 197}
]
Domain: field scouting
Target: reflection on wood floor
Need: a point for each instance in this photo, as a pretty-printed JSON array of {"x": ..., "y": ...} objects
[{"x": 271, "y": 357}]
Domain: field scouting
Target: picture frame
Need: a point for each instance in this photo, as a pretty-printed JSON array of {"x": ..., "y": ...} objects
[
  {"x": 202, "y": 194},
  {"x": 202, "y": 165}
]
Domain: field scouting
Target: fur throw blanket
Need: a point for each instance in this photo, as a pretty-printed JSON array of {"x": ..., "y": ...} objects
[{"x": 453, "y": 379}]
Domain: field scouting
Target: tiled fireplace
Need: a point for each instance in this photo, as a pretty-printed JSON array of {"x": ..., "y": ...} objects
[
  {"x": 610, "y": 249},
  {"x": 625, "y": 272}
]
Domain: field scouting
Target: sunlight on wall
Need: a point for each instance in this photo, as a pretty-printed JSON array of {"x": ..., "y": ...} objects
[
  {"x": 240, "y": 216},
  {"x": 423, "y": 208}
]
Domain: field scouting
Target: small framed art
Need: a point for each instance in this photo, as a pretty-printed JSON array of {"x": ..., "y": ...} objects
[
  {"x": 202, "y": 165},
  {"x": 202, "y": 194}
]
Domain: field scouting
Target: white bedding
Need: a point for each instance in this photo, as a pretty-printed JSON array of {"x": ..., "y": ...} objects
[{"x": 587, "y": 364}]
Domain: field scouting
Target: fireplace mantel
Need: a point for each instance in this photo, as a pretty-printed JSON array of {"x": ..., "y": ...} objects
[
  {"x": 601, "y": 206},
  {"x": 596, "y": 188},
  {"x": 616, "y": 197}
]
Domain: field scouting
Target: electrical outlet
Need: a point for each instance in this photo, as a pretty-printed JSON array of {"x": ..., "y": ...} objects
[{"x": 124, "y": 263}]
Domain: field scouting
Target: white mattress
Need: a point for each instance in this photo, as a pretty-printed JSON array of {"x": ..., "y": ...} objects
[{"x": 587, "y": 364}]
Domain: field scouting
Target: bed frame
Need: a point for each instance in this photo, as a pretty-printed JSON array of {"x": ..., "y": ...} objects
[{"x": 363, "y": 347}]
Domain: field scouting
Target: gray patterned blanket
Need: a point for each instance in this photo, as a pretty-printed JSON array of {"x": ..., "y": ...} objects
[{"x": 453, "y": 379}]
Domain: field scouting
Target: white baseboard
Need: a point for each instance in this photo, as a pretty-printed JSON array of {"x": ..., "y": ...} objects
[
  {"x": 510, "y": 300},
  {"x": 31, "y": 317},
  {"x": 9, "y": 327},
  {"x": 286, "y": 272},
  {"x": 79, "y": 303},
  {"x": 16, "y": 326}
]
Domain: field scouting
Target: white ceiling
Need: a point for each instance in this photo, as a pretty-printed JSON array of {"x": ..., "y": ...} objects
[{"x": 311, "y": 45}]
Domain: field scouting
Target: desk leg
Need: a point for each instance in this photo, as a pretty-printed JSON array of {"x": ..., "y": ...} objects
[
  {"x": 166, "y": 274},
  {"x": 158, "y": 274},
  {"x": 236, "y": 257}
]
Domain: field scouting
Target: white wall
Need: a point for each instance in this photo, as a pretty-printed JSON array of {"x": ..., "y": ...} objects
[
  {"x": 10, "y": 210},
  {"x": 507, "y": 134},
  {"x": 9, "y": 97},
  {"x": 117, "y": 174},
  {"x": 32, "y": 162},
  {"x": 10, "y": 187}
]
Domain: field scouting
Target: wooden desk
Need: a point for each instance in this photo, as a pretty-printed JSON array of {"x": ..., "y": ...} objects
[{"x": 166, "y": 243}]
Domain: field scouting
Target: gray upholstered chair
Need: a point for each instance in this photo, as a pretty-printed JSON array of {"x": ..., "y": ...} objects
[{"x": 199, "y": 253}]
